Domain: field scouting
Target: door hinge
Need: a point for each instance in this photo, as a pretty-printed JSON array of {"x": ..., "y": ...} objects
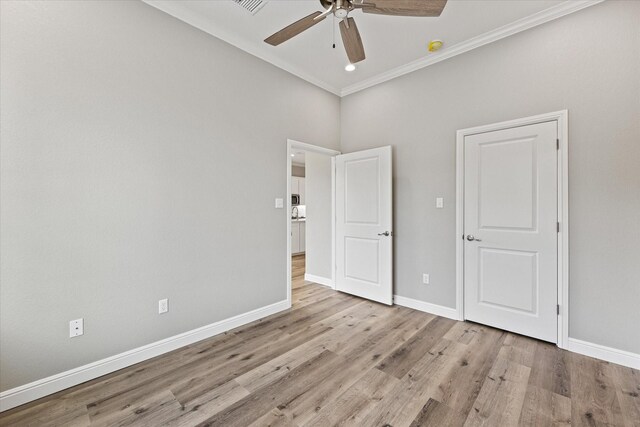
[
  {"x": 558, "y": 227},
  {"x": 558, "y": 309},
  {"x": 557, "y": 143}
]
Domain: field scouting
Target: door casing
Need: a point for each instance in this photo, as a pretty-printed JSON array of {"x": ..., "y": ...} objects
[{"x": 561, "y": 117}]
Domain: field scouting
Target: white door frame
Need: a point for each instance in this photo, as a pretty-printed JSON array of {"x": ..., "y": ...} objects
[
  {"x": 561, "y": 117},
  {"x": 297, "y": 145}
]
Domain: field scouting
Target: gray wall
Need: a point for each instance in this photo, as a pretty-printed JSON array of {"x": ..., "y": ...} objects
[
  {"x": 588, "y": 63},
  {"x": 318, "y": 224},
  {"x": 297, "y": 170},
  {"x": 126, "y": 137},
  {"x": 121, "y": 132}
]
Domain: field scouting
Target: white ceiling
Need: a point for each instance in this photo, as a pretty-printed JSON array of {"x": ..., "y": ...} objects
[{"x": 393, "y": 45}]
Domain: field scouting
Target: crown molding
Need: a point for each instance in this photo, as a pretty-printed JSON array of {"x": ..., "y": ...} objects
[
  {"x": 515, "y": 27},
  {"x": 178, "y": 10}
]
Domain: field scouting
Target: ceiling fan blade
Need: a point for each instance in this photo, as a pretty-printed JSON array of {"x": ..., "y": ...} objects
[
  {"x": 351, "y": 40},
  {"x": 294, "y": 29},
  {"x": 406, "y": 7}
]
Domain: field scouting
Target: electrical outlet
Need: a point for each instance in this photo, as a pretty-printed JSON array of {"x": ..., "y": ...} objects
[
  {"x": 279, "y": 203},
  {"x": 439, "y": 203},
  {"x": 76, "y": 328},
  {"x": 163, "y": 306},
  {"x": 425, "y": 279}
]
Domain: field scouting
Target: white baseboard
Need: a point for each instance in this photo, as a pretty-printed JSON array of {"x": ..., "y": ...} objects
[
  {"x": 40, "y": 388},
  {"x": 438, "y": 310},
  {"x": 613, "y": 355},
  {"x": 319, "y": 280},
  {"x": 608, "y": 354}
]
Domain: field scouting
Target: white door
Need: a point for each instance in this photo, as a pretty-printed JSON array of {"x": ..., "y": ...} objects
[
  {"x": 510, "y": 229},
  {"x": 364, "y": 238}
]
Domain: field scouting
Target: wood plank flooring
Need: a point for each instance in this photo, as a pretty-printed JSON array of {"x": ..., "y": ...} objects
[{"x": 334, "y": 359}]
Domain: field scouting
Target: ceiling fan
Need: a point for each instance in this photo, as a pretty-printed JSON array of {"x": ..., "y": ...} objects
[{"x": 348, "y": 29}]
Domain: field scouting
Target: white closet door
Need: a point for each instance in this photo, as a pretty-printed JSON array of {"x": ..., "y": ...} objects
[{"x": 510, "y": 226}]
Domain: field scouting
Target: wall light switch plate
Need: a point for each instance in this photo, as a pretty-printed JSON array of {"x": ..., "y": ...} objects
[
  {"x": 425, "y": 279},
  {"x": 439, "y": 202},
  {"x": 163, "y": 306},
  {"x": 279, "y": 203},
  {"x": 76, "y": 328}
]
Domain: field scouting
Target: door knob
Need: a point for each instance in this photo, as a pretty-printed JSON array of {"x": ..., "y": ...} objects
[
  {"x": 471, "y": 238},
  {"x": 386, "y": 233}
]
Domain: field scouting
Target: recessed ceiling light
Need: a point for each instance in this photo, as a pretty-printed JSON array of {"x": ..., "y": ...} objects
[
  {"x": 292, "y": 155},
  {"x": 350, "y": 67},
  {"x": 435, "y": 45}
]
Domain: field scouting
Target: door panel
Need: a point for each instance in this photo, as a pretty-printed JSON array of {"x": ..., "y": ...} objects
[
  {"x": 363, "y": 215},
  {"x": 510, "y": 217},
  {"x": 507, "y": 203},
  {"x": 361, "y": 188},
  {"x": 508, "y": 279},
  {"x": 359, "y": 253}
]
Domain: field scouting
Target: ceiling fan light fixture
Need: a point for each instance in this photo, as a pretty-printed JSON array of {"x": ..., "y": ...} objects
[
  {"x": 350, "y": 67},
  {"x": 341, "y": 13}
]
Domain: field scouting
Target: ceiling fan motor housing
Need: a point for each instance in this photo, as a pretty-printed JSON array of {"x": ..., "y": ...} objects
[{"x": 341, "y": 8}]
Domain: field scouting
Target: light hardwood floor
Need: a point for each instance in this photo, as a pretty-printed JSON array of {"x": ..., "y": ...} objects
[{"x": 334, "y": 359}]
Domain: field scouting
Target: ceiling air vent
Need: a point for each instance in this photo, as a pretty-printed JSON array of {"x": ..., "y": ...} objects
[{"x": 252, "y": 6}]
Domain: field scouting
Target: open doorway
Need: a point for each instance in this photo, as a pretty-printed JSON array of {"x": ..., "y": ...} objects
[
  {"x": 298, "y": 218},
  {"x": 310, "y": 209}
]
